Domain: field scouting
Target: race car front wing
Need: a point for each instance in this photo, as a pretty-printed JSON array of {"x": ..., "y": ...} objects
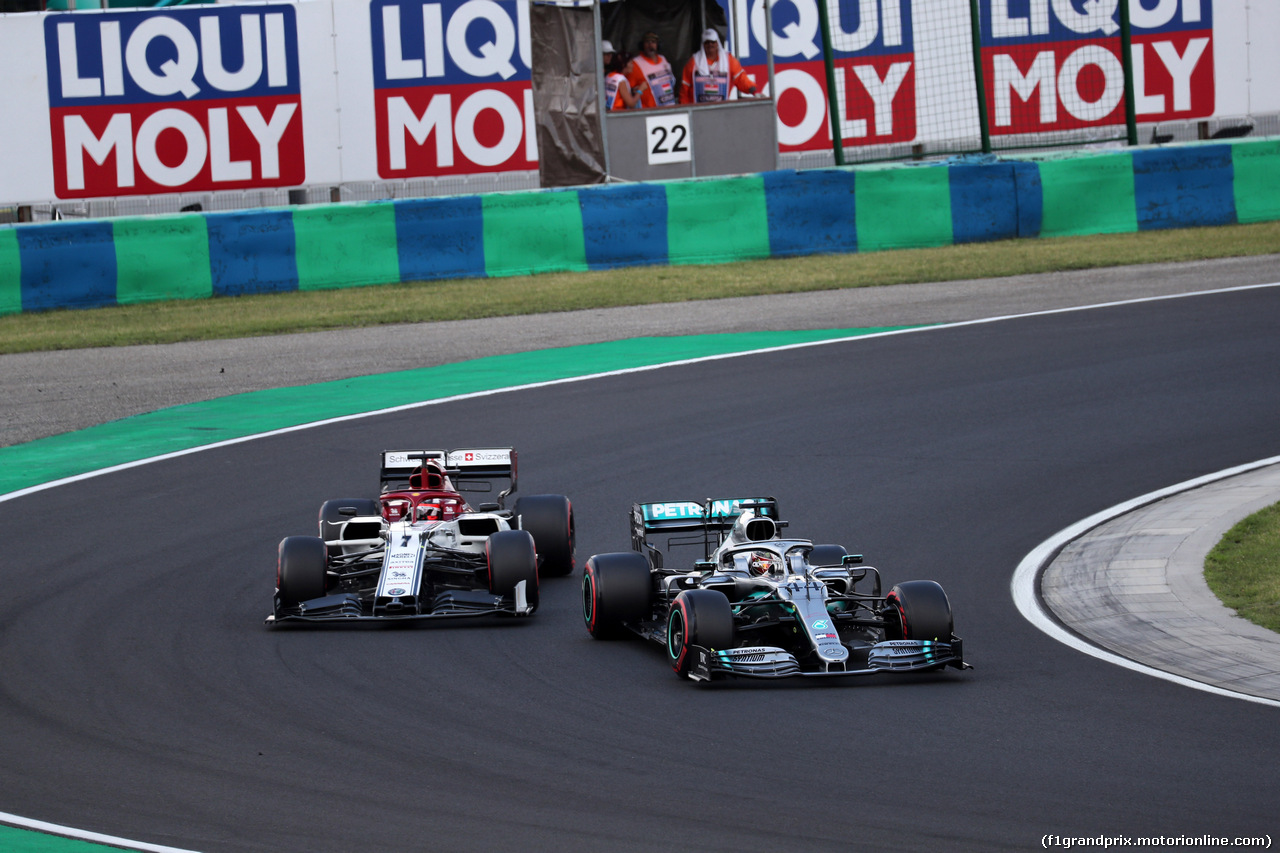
[
  {"x": 772, "y": 662},
  {"x": 450, "y": 604}
]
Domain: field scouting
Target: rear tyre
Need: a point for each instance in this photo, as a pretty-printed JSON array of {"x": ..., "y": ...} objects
[
  {"x": 300, "y": 570},
  {"x": 615, "y": 589},
  {"x": 922, "y": 609},
  {"x": 512, "y": 559},
  {"x": 827, "y": 555},
  {"x": 332, "y": 518},
  {"x": 549, "y": 518},
  {"x": 698, "y": 617}
]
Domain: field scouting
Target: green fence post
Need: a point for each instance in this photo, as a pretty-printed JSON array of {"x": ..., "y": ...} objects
[
  {"x": 832, "y": 98},
  {"x": 975, "y": 25},
  {"x": 1126, "y": 62}
]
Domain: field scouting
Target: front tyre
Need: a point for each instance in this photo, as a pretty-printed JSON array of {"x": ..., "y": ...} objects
[
  {"x": 549, "y": 518},
  {"x": 922, "y": 612},
  {"x": 698, "y": 617},
  {"x": 615, "y": 589},
  {"x": 301, "y": 571},
  {"x": 511, "y": 559}
]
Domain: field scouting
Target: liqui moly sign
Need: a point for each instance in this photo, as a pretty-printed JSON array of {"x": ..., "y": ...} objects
[
  {"x": 452, "y": 92},
  {"x": 184, "y": 100},
  {"x": 1056, "y": 64},
  {"x": 874, "y": 55}
]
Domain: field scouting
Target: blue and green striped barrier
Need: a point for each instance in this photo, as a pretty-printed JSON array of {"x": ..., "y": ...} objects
[{"x": 775, "y": 214}]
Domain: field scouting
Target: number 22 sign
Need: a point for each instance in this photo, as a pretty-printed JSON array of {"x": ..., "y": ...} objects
[{"x": 668, "y": 139}]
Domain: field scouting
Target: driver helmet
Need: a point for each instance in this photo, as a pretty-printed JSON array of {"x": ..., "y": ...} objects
[
  {"x": 762, "y": 563},
  {"x": 430, "y": 511}
]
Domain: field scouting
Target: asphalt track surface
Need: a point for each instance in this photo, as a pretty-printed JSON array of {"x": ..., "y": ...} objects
[{"x": 142, "y": 697}]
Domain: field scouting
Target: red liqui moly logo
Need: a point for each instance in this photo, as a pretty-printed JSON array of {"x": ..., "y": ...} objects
[
  {"x": 184, "y": 100},
  {"x": 874, "y": 56},
  {"x": 1056, "y": 64},
  {"x": 452, "y": 92}
]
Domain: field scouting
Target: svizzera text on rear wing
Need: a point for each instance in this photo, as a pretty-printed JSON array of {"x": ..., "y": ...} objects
[{"x": 463, "y": 465}]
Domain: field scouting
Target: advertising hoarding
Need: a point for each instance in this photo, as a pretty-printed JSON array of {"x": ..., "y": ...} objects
[
  {"x": 451, "y": 87},
  {"x": 321, "y": 92},
  {"x": 873, "y": 43},
  {"x": 1056, "y": 65},
  {"x": 191, "y": 100}
]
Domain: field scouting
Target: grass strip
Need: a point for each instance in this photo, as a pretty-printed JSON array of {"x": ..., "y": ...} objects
[
  {"x": 461, "y": 299},
  {"x": 1243, "y": 569}
]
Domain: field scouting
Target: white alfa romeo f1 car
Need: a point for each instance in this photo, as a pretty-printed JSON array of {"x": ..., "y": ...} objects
[
  {"x": 420, "y": 551},
  {"x": 759, "y": 605}
]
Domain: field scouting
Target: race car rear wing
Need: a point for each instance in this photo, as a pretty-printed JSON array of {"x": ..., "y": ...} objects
[
  {"x": 483, "y": 464},
  {"x": 709, "y": 519},
  {"x": 715, "y": 514}
]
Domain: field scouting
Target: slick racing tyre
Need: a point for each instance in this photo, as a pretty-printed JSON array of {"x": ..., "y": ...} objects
[
  {"x": 512, "y": 559},
  {"x": 827, "y": 555},
  {"x": 922, "y": 612},
  {"x": 300, "y": 570},
  {"x": 549, "y": 518},
  {"x": 332, "y": 518},
  {"x": 698, "y": 617},
  {"x": 615, "y": 589}
]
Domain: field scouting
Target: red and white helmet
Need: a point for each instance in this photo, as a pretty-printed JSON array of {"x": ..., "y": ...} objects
[{"x": 762, "y": 562}]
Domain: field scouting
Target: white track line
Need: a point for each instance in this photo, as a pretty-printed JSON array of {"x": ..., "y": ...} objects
[{"x": 81, "y": 835}]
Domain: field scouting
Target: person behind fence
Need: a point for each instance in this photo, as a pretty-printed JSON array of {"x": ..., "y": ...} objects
[
  {"x": 652, "y": 72},
  {"x": 618, "y": 94},
  {"x": 710, "y": 73}
]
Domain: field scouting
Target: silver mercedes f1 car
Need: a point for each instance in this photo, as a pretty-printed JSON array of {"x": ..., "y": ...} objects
[
  {"x": 420, "y": 551},
  {"x": 756, "y": 604}
]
